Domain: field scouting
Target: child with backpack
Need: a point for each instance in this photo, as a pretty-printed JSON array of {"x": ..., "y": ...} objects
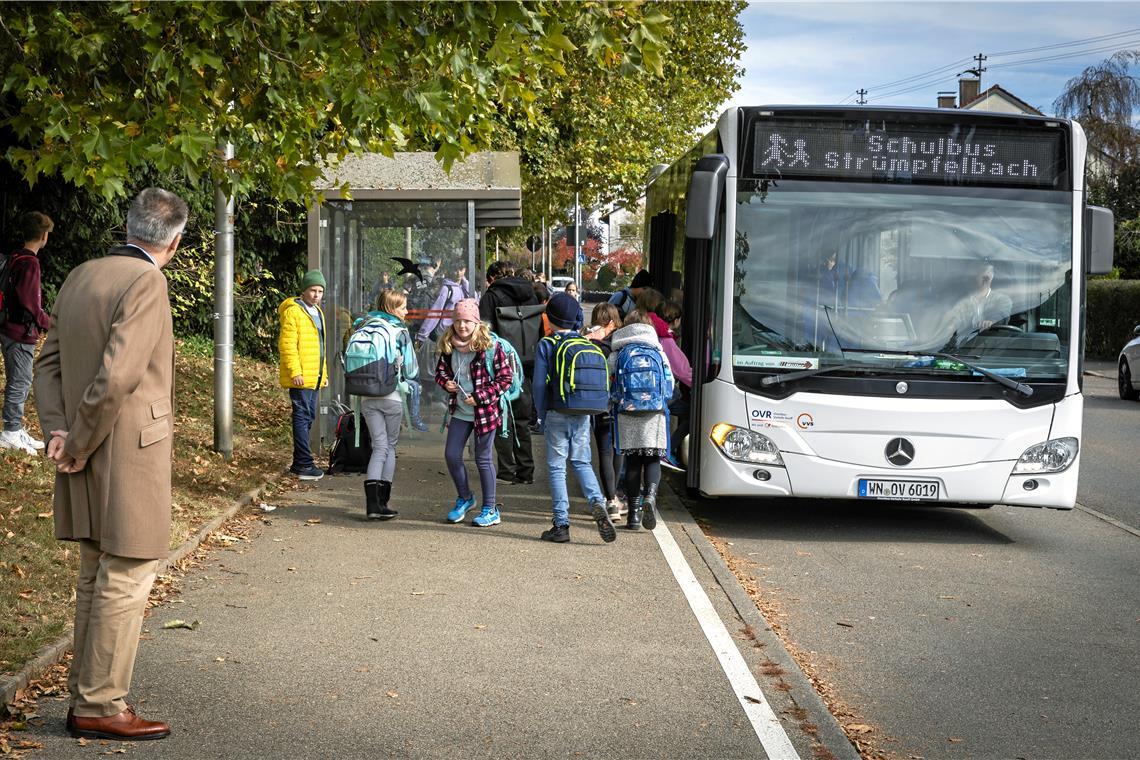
[
  {"x": 604, "y": 320},
  {"x": 642, "y": 386},
  {"x": 571, "y": 382},
  {"x": 475, "y": 386},
  {"x": 380, "y": 361}
]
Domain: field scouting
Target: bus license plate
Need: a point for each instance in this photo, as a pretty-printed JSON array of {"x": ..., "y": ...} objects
[{"x": 898, "y": 489}]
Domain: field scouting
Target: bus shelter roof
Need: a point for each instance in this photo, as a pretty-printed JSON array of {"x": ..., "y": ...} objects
[{"x": 491, "y": 179}]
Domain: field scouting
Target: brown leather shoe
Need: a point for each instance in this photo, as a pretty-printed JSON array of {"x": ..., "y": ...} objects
[{"x": 126, "y": 726}]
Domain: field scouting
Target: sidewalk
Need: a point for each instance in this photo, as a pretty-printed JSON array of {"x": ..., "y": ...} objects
[{"x": 328, "y": 636}]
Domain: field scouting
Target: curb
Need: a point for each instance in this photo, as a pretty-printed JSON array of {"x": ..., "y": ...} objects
[
  {"x": 802, "y": 693},
  {"x": 52, "y": 653}
]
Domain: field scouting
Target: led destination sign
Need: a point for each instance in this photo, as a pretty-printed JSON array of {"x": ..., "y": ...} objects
[{"x": 952, "y": 154}]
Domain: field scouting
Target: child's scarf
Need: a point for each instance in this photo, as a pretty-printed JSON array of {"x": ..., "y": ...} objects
[{"x": 458, "y": 344}]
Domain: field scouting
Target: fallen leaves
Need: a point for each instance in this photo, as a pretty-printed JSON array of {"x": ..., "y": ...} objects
[{"x": 181, "y": 624}]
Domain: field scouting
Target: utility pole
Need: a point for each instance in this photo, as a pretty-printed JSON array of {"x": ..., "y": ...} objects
[{"x": 862, "y": 93}]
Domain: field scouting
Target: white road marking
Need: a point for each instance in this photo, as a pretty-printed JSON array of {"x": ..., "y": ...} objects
[
  {"x": 764, "y": 721},
  {"x": 1110, "y": 520}
]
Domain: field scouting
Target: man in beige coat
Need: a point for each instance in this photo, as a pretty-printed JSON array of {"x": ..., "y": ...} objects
[{"x": 104, "y": 386}]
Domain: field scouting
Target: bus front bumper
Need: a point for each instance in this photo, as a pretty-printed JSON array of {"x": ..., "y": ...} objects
[{"x": 812, "y": 477}]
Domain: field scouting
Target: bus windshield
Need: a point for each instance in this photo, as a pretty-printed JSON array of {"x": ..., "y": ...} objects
[{"x": 894, "y": 275}]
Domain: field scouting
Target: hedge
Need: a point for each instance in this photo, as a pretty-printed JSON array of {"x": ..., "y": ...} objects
[{"x": 1113, "y": 310}]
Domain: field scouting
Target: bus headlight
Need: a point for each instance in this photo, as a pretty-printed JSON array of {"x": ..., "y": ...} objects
[
  {"x": 1051, "y": 456},
  {"x": 745, "y": 446}
]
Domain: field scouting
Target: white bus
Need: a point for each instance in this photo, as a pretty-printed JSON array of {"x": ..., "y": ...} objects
[{"x": 881, "y": 303}]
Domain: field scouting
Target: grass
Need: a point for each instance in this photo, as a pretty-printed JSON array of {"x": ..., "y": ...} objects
[{"x": 37, "y": 572}]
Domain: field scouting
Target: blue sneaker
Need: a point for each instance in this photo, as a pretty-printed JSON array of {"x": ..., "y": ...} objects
[
  {"x": 461, "y": 508},
  {"x": 488, "y": 517}
]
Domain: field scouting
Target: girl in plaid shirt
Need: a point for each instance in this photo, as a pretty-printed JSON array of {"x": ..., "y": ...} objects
[{"x": 473, "y": 406}]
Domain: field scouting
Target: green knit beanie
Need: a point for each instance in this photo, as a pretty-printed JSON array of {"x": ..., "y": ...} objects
[{"x": 313, "y": 278}]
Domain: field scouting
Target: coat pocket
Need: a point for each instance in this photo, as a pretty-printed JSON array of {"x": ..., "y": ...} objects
[
  {"x": 160, "y": 408},
  {"x": 154, "y": 433}
]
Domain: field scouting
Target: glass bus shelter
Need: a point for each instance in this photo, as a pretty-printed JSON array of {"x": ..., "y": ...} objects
[{"x": 404, "y": 223}]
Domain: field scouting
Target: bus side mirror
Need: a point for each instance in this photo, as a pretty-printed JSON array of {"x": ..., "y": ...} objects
[
  {"x": 1098, "y": 229},
  {"x": 705, "y": 190}
]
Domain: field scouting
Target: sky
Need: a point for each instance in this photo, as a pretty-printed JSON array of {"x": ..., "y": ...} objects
[{"x": 821, "y": 53}]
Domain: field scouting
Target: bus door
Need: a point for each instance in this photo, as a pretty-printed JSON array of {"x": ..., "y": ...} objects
[{"x": 701, "y": 253}]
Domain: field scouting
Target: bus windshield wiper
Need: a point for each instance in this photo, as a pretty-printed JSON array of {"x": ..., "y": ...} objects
[
  {"x": 800, "y": 374},
  {"x": 1013, "y": 385}
]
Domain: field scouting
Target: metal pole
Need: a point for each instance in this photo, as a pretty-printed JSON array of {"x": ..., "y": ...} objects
[
  {"x": 577, "y": 243},
  {"x": 472, "y": 265},
  {"x": 541, "y": 245},
  {"x": 224, "y": 316}
]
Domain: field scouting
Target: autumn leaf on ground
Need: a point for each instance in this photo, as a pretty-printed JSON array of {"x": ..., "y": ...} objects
[{"x": 181, "y": 624}]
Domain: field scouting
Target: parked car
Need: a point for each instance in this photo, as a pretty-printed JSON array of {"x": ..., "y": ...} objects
[
  {"x": 1127, "y": 366},
  {"x": 559, "y": 282}
]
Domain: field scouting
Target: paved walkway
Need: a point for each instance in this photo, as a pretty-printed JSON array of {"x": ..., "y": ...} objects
[{"x": 327, "y": 636}]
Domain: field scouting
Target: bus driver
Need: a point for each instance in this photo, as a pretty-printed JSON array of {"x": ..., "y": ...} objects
[{"x": 983, "y": 307}]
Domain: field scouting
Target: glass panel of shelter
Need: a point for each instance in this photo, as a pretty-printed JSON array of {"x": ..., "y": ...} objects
[{"x": 417, "y": 247}]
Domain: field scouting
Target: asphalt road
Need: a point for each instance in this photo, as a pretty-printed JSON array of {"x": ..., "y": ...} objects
[
  {"x": 1110, "y": 467},
  {"x": 316, "y": 634},
  {"x": 1000, "y": 633}
]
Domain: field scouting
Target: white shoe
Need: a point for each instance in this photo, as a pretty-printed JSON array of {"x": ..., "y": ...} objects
[
  {"x": 28, "y": 440},
  {"x": 11, "y": 439}
]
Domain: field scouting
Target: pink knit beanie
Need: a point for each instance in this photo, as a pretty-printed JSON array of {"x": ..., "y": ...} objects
[{"x": 467, "y": 309}]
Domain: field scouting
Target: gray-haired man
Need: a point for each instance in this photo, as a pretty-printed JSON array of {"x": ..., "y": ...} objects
[{"x": 105, "y": 391}]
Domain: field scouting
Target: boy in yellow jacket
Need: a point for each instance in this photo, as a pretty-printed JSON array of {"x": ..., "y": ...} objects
[{"x": 304, "y": 371}]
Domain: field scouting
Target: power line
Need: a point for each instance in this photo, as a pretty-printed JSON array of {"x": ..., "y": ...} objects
[
  {"x": 1125, "y": 33},
  {"x": 933, "y": 76}
]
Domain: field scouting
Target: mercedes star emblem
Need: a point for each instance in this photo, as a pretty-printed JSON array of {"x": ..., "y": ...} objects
[{"x": 900, "y": 452}]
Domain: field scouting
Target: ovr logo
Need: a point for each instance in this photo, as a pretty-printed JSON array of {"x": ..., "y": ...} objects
[{"x": 761, "y": 414}]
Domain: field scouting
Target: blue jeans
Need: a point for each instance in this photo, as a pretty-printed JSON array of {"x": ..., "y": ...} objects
[
  {"x": 18, "y": 358},
  {"x": 568, "y": 435},
  {"x": 413, "y": 399},
  {"x": 304, "y": 402}
]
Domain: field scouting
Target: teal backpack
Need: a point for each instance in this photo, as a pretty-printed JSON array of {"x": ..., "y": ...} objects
[
  {"x": 371, "y": 359},
  {"x": 515, "y": 389}
]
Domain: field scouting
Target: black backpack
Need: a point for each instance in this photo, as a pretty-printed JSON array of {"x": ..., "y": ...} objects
[
  {"x": 521, "y": 326},
  {"x": 353, "y": 445},
  {"x": 10, "y": 308}
]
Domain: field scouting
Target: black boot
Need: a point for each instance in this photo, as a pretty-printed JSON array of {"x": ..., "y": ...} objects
[
  {"x": 376, "y": 494},
  {"x": 372, "y": 499},
  {"x": 648, "y": 503},
  {"x": 633, "y": 518},
  {"x": 385, "y": 494}
]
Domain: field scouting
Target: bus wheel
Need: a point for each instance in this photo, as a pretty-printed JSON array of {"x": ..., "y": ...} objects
[{"x": 1124, "y": 381}]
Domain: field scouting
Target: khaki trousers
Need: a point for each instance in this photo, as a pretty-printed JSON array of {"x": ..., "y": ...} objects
[{"x": 110, "y": 599}]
